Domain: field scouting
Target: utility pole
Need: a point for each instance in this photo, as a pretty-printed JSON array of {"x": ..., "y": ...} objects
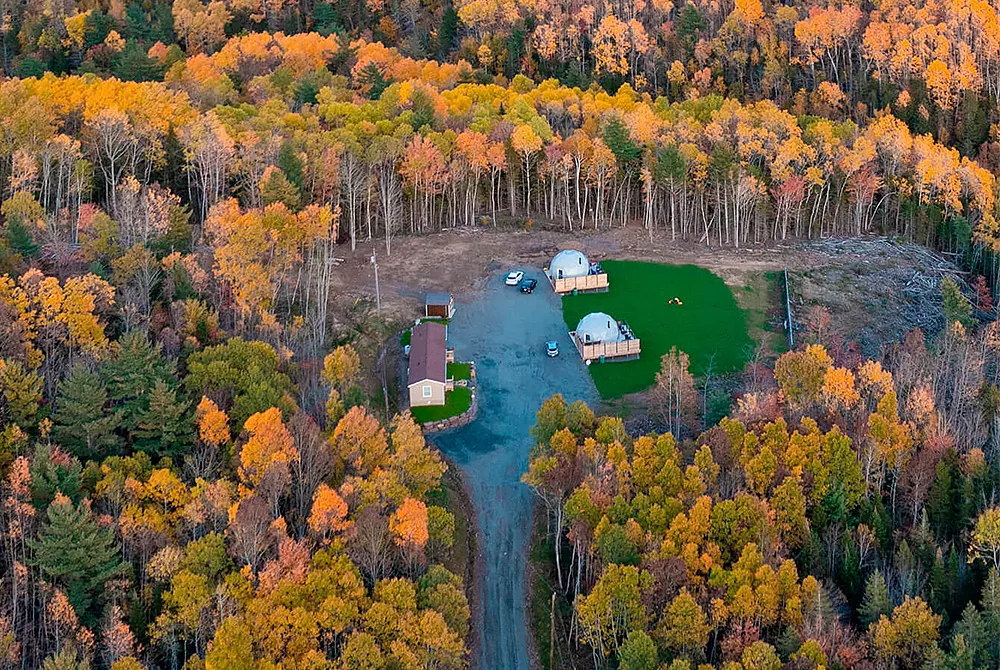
[{"x": 378, "y": 296}]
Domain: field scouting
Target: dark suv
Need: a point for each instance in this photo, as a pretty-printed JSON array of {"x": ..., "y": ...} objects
[{"x": 528, "y": 285}]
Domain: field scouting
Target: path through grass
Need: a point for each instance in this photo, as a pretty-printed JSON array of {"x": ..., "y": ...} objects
[{"x": 709, "y": 326}]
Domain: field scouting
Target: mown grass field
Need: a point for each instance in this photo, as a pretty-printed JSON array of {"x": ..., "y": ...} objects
[
  {"x": 455, "y": 402},
  {"x": 709, "y": 326},
  {"x": 460, "y": 370}
]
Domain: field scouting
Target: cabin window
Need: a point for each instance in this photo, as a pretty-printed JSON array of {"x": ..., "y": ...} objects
[{"x": 427, "y": 391}]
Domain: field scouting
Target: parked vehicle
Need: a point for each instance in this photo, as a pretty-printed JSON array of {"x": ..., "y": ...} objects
[
  {"x": 552, "y": 349},
  {"x": 514, "y": 278},
  {"x": 528, "y": 285}
]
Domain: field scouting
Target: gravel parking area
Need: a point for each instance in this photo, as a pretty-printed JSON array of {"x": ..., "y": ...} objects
[{"x": 505, "y": 332}]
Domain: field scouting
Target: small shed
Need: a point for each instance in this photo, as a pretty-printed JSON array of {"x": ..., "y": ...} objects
[{"x": 439, "y": 305}]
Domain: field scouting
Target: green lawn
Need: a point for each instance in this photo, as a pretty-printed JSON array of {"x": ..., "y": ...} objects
[
  {"x": 710, "y": 322},
  {"x": 455, "y": 402},
  {"x": 460, "y": 370}
]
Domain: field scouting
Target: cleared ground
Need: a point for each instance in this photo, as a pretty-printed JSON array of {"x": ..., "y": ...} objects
[
  {"x": 505, "y": 332},
  {"x": 708, "y": 324}
]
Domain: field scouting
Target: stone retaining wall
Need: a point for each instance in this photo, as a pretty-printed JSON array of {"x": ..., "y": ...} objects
[{"x": 466, "y": 417}]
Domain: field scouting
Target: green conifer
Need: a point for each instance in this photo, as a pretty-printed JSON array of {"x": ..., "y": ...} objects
[
  {"x": 165, "y": 428},
  {"x": 876, "y": 601},
  {"x": 956, "y": 306},
  {"x": 83, "y": 423},
  {"x": 76, "y": 555}
]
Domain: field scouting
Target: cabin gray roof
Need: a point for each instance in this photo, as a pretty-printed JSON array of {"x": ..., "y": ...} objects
[
  {"x": 438, "y": 299},
  {"x": 427, "y": 353}
]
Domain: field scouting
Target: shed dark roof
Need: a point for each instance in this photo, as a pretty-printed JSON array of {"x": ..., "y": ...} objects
[
  {"x": 427, "y": 353},
  {"x": 438, "y": 299}
]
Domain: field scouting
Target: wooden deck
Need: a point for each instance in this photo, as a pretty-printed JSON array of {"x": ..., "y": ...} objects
[
  {"x": 587, "y": 283},
  {"x": 626, "y": 350}
]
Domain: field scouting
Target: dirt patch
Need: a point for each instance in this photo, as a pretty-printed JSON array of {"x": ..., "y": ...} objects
[{"x": 459, "y": 260}]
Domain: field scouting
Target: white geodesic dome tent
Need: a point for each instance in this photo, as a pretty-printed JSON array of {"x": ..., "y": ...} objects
[
  {"x": 598, "y": 327},
  {"x": 568, "y": 264}
]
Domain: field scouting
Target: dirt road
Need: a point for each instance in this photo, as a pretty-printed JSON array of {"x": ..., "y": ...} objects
[{"x": 505, "y": 332}]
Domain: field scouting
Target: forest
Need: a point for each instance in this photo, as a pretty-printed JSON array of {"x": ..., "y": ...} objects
[
  {"x": 724, "y": 125},
  {"x": 200, "y": 462},
  {"x": 843, "y": 515}
]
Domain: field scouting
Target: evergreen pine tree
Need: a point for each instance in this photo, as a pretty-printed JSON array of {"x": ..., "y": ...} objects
[
  {"x": 973, "y": 628},
  {"x": 616, "y": 136},
  {"x": 83, "y": 424},
  {"x": 876, "y": 601},
  {"x": 955, "y": 574},
  {"x": 54, "y": 471},
  {"x": 165, "y": 428},
  {"x": 967, "y": 504},
  {"x": 448, "y": 31},
  {"x": 990, "y": 606},
  {"x": 908, "y": 568},
  {"x": 20, "y": 240},
  {"x": 136, "y": 22},
  {"x": 133, "y": 64},
  {"x": 850, "y": 573},
  {"x": 875, "y": 515},
  {"x": 178, "y": 235},
  {"x": 77, "y": 555},
  {"x": 132, "y": 373},
  {"x": 372, "y": 77},
  {"x": 325, "y": 19},
  {"x": 956, "y": 306},
  {"x": 277, "y": 188},
  {"x": 940, "y": 587},
  {"x": 941, "y": 498},
  {"x": 291, "y": 164},
  {"x": 172, "y": 171}
]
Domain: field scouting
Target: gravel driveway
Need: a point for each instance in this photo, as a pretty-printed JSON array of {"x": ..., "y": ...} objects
[{"x": 505, "y": 333}]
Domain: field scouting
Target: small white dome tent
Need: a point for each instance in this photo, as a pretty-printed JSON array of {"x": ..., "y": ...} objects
[
  {"x": 568, "y": 264},
  {"x": 598, "y": 327}
]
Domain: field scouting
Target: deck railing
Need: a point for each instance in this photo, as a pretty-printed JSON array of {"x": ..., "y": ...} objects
[
  {"x": 591, "y": 351},
  {"x": 591, "y": 282}
]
